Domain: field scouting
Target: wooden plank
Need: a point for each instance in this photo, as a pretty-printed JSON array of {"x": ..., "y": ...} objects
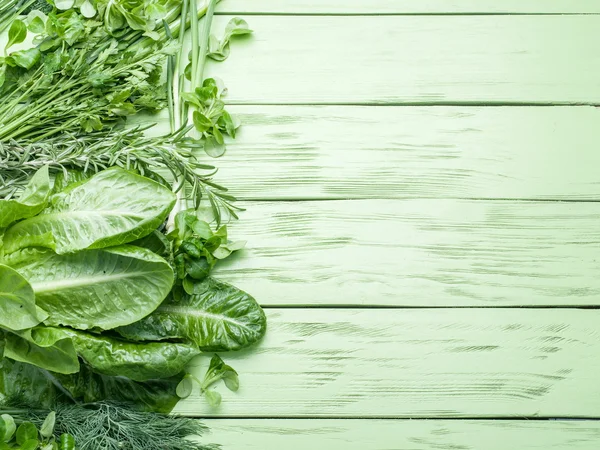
[
  {"x": 331, "y": 434},
  {"x": 341, "y": 152},
  {"x": 408, "y": 6},
  {"x": 403, "y": 363},
  {"x": 418, "y": 253},
  {"x": 414, "y": 59}
]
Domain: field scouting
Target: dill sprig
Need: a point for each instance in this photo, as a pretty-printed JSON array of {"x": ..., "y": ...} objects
[{"x": 108, "y": 426}]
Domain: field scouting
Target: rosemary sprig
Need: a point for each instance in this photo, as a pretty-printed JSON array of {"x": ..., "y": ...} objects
[{"x": 169, "y": 156}]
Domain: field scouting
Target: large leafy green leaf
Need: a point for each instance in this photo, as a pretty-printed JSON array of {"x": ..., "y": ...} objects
[
  {"x": 100, "y": 289},
  {"x": 18, "y": 310},
  {"x": 57, "y": 354},
  {"x": 219, "y": 317},
  {"x": 32, "y": 200},
  {"x": 114, "y": 357},
  {"x": 111, "y": 208},
  {"x": 41, "y": 387},
  {"x": 30, "y": 383}
]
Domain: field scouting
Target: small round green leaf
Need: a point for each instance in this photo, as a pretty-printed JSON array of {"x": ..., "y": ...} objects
[
  {"x": 67, "y": 442},
  {"x": 213, "y": 148},
  {"x": 213, "y": 398},
  {"x": 87, "y": 9},
  {"x": 185, "y": 387},
  {"x": 64, "y": 4},
  {"x": 26, "y": 432},
  {"x": 231, "y": 381}
]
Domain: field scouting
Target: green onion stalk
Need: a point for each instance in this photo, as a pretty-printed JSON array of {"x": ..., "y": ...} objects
[{"x": 65, "y": 102}]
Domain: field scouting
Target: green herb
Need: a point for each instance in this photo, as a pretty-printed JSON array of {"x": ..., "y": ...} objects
[
  {"x": 217, "y": 371},
  {"x": 108, "y": 426}
]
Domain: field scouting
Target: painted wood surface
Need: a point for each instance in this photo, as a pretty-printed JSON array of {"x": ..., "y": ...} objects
[
  {"x": 341, "y": 152},
  {"x": 476, "y": 363},
  {"x": 418, "y": 253},
  {"x": 251, "y": 434},
  {"x": 414, "y": 59},
  {"x": 409, "y": 6}
]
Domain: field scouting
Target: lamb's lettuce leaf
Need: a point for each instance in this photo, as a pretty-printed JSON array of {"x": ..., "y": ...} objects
[
  {"x": 114, "y": 357},
  {"x": 31, "y": 201},
  {"x": 18, "y": 310},
  {"x": 219, "y": 317},
  {"x": 99, "y": 289},
  {"x": 111, "y": 208}
]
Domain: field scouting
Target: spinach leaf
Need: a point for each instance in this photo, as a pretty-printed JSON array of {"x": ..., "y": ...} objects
[
  {"x": 18, "y": 310},
  {"x": 219, "y": 317},
  {"x": 100, "y": 289},
  {"x": 137, "y": 361},
  {"x": 32, "y": 200},
  {"x": 111, "y": 208}
]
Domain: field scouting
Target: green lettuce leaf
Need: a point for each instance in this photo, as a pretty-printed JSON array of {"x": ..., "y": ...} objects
[
  {"x": 100, "y": 289},
  {"x": 219, "y": 317},
  {"x": 57, "y": 354},
  {"x": 31, "y": 201},
  {"x": 18, "y": 310},
  {"x": 42, "y": 387},
  {"x": 111, "y": 208},
  {"x": 114, "y": 357}
]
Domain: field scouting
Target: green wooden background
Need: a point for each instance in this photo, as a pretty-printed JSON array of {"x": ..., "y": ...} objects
[{"x": 421, "y": 180}]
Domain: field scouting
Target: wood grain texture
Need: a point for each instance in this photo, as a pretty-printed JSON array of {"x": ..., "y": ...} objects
[
  {"x": 477, "y": 363},
  {"x": 331, "y": 434},
  {"x": 409, "y": 6},
  {"x": 414, "y": 59},
  {"x": 418, "y": 253},
  {"x": 341, "y": 152}
]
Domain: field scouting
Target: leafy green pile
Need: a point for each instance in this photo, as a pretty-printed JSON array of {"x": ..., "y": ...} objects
[
  {"x": 92, "y": 65},
  {"x": 105, "y": 286},
  {"x": 96, "y": 303}
]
